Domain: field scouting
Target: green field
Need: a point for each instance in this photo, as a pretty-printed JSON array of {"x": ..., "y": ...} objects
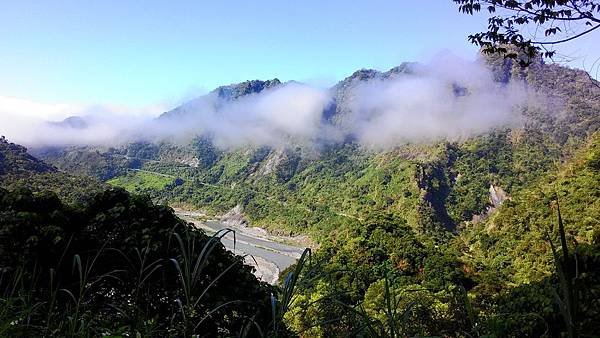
[{"x": 142, "y": 181}]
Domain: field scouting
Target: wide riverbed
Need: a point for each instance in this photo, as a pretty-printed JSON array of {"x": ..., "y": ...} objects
[{"x": 268, "y": 255}]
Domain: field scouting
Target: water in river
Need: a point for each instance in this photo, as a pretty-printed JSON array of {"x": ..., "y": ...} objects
[{"x": 268, "y": 256}]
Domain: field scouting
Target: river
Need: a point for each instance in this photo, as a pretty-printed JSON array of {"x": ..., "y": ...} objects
[{"x": 268, "y": 254}]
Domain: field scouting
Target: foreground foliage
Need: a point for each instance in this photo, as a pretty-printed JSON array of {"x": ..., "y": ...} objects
[{"x": 118, "y": 265}]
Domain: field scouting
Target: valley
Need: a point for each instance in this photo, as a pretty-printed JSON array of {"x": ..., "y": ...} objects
[
  {"x": 269, "y": 254},
  {"x": 460, "y": 229},
  {"x": 313, "y": 169}
]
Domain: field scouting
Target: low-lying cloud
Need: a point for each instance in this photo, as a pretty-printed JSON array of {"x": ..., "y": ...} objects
[
  {"x": 447, "y": 98},
  {"x": 39, "y": 124},
  {"x": 273, "y": 117}
]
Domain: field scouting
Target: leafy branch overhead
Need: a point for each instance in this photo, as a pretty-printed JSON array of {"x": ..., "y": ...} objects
[{"x": 533, "y": 26}]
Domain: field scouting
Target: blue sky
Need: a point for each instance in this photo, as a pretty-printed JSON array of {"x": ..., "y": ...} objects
[{"x": 143, "y": 52}]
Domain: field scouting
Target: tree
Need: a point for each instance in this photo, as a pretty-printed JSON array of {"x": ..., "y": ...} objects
[{"x": 553, "y": 22}]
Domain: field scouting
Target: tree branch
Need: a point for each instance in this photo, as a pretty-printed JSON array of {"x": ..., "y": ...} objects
[
  {"x": 587, "y": 15},
  {"x": 566, "y": 39}
]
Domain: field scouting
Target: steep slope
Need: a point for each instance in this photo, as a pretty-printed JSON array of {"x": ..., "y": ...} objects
[
  {"x": 224, "y": 93},
  {"x": 19, "y": 169},
  {"x": 340, "y": 113},
  {"x": 118, "y": 251},
  {"x": 431, "y": 186},
  {"x": 101, "y": 163},
  {"x": 511, "y": 245},
  {"x": 16, "y": 162}
]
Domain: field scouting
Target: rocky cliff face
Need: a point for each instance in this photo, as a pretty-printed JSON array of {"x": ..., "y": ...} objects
[
  {"x": 497, "y": 196},
  {"x": 234, "y": 217}
]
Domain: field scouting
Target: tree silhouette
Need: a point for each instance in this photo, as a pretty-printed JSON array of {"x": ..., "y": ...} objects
[{"x": 533, "y": 26}]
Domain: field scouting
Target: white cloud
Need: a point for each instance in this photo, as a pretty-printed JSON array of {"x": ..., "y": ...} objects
[
  {"x": 420, "y": 107},
  {"x": 431, "y": 104},
  {"x": 33, "y": 109},
  {"x": 26, "y": 122}
]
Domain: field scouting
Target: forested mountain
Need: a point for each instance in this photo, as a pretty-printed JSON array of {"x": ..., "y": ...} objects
[
  {"x": 15, "y": 161},
  {"x": 18, "y": 169},
  {"x": 226, "y": 93},
  {"x": 455, "y": 231},
  {"x": 300, "y": 189}
]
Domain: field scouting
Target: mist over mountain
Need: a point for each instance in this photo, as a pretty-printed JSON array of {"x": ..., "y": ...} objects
[
  {"x": 273, "y": 169},
  {"x": 447, "y": 98},
  {"x": 441, "y": 176}
]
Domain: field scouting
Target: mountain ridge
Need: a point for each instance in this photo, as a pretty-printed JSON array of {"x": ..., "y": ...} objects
[
  {"x": 457, "y": 228},
  {"x": 451, "y": 178}
]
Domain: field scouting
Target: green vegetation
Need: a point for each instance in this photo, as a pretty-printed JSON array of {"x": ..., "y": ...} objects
[
  {"x": 495, "y": 277},
  {"x": 19, "y": 170},
  {"x": 119, "y": 265},
  {"x": 100, "y": 163},
  {"x": 510, "y": 246},
  {"x": 498, "y": 277},
  {"x": 142, "y": 182},
  {"x": 444, "y": 239}
]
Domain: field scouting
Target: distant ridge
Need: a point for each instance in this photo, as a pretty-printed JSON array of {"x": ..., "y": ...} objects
[
  {"x": 15, "y": 161},
  {"x": 73, "y": 122},
  {"x": 227, "y": 93}
]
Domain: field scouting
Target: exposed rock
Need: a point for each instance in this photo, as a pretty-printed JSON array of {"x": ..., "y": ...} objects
[
  {"x": 265, "y": 271},
  {"x": 497, "y": 196},
  {"x": 273, "y": 160},
  {"x": 193, "y": 162},
  {"x": 234, "y": 217}
]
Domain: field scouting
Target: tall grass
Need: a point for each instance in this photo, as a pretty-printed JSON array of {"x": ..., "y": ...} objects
[
  {"x": 78, "y": 324},
  {"x": 567, "y": 270},
  {"x": 74, "y": 315},
  {"x": 281, "y": 304},
  {"x": 143, "y": 270},
  {"x": 190, "y": 269}
]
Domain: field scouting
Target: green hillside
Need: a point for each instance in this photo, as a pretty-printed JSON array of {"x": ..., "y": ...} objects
[
  {"x": 443, "y": 238},
  {"x": 510, "y": 246},
  {"x": 19, "y": 169},
  {"x": 118, "y": 265}
]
